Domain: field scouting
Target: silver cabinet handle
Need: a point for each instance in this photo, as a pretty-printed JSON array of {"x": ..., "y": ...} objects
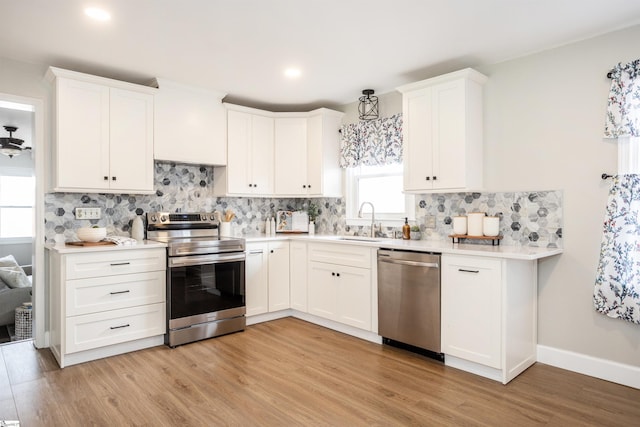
[
  {"x": 255, "y": 252},
  {"x": 120, "y": 327},
  {"x": 468, "y": 271},
  {"x": 120, "y": 292},
  {"x": 412, "y": 263},
  {"x": 119, "y": 263}
]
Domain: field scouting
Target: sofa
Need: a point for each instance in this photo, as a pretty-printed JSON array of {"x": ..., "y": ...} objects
[{"x": 15, "y": 288}]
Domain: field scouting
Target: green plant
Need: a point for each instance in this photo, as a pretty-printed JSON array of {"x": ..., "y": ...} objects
[
  {"x": 415, "y": 228},
  {"x": 313, "y": 211}
]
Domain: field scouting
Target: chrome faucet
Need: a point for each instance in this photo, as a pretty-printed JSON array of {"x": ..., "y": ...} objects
[{"x": 373, "y": 216}]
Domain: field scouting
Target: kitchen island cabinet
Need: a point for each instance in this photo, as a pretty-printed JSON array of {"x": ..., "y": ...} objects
[{"x": 103, "y": 140}]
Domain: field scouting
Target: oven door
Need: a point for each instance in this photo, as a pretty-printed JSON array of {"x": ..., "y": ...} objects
[{"x": 204, "y": 288}]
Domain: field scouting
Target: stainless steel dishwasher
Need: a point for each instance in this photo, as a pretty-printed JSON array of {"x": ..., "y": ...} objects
[{"x": 409, "y": 300}]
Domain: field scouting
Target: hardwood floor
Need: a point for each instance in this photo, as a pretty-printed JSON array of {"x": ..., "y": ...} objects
[{"x": 289, "y": 372}]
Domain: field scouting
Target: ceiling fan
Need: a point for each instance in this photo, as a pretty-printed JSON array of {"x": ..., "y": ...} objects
[{"x": 11, "y": 146}]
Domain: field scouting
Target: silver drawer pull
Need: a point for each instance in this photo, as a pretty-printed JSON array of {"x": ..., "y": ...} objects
[
  {"x": 119, "y": 263},
  {"x": 468, "y": 271},
  {"x": 120, "y": 327},
  {"x": 120, "y": 292}
]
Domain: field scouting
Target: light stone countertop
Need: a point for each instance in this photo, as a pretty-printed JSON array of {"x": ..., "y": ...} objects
[
  {"x": 64, "y": 249},
  {"x": 440, "y": 246}
]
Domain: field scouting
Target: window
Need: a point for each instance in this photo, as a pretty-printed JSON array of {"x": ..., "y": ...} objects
[
  {"x": 382, "y": 186},
  {"x": 17, "y": 198}
]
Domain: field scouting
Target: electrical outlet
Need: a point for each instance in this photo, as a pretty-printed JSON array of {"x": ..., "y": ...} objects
[
  {"x": 430, "y": 221},
  {"x": 88, "y": 213}
]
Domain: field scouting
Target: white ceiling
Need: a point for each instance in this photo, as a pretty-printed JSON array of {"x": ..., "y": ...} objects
[{"x": 241, "y": 47}]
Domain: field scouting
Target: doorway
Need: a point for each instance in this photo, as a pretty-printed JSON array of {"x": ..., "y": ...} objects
[{"x": 24, "y": 170}]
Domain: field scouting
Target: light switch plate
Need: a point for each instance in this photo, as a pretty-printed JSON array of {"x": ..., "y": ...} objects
[{"x": 88, "y": 213}]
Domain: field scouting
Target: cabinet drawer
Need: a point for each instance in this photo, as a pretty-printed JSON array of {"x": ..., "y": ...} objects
[
  {"x": 351, "y": 255},
  {"x": 80, "y": 266},
  {"x": 113, "y": 327},
  {"x": 97, "y": 294}
]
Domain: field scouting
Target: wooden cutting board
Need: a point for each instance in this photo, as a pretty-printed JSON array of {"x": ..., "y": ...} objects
[{"x": 100, "y": 243}]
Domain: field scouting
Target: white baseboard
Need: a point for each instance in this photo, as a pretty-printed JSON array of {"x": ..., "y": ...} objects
[{"x": 620, "y": 373}]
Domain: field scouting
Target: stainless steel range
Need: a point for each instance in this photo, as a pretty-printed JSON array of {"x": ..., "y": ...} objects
[{"x": 205, "y": 276}]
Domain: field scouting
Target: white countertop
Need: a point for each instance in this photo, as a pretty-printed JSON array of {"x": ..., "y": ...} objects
[
  {"x": 145, "y": 244},
  {"x": 440, "y": 246}
]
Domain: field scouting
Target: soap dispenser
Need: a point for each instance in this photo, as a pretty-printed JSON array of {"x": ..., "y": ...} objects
[{"x": 406, "y": 230}]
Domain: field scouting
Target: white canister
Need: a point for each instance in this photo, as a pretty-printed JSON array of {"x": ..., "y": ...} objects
[
  {"x": 460, "y": 225},
  {"x": 474, "y": 223},
  {"x": 137, "y": 228},
  {"x": 491, "y": 225},
  {"x": 312, "y": 228},
  {"x": 225, "y": 229}
]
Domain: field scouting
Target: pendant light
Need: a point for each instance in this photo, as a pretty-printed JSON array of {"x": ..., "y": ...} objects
[
  {"x": 11, "y": 146},
  {"x": 368, "y": 106}
]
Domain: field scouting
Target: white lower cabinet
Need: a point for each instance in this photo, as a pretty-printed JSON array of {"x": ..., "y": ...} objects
[
  {"x": 106, "y": 303},
  {"x": 298, "y": 276},
  {"x": 267, "y": 277},
  {"x": 340, "y": 285},
  {"x": 278, "y": 276},
  {"x": 489, "y": 315},
  {"x": 256, "y": 279}
]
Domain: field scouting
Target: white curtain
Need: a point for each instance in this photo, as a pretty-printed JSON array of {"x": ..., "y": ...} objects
[{"x": 617, "y": 287}]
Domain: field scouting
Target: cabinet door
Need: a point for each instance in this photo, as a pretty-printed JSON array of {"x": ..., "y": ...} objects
[
  {"x": 82, "y": 140},
  {"x": 262, "y": 155},
  {"x": 291, "y": 156},
  {"x": 256, "y": 279},
  {"x": 471, "y": 309},
  {"x": 449, "y": 135},
  {"x": 322, "y": 290},
  {"x": 315, "y": 156},
  {"x": 418, "y": 140},
  {"x": 278, "y": 276},
  {"x": 239, "y": 152},
  {"x": 354, "y": 296},
  {"x": 298, "y": 275},
  {"x": 131, "y": 141}
]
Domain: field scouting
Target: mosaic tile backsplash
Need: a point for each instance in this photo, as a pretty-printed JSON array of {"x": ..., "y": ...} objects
[{"x": 527, "y": 218}]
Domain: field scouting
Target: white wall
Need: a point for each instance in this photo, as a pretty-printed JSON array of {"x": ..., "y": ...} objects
[{"x": 544, "y": 120}]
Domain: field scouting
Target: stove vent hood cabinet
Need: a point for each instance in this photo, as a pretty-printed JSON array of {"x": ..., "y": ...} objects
[{"x": 190, "y": 124}]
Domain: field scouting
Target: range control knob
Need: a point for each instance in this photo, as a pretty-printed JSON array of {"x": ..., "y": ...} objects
[
  {"x": 163, "y": 218},
  {"x": 211, "y": 217},
  {"x": 153, "y": 218},
  {"x": 203, "y": 217}
]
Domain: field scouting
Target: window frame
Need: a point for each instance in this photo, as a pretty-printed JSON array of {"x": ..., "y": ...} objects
[
  {"x": 350, "y": 178},
  {"x": 28, "y": 173}
]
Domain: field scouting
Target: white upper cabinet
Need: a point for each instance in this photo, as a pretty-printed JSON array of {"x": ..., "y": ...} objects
[
  {"x": 190, "y": 124},
  {"x": 306, "y": 155},
  {"x": 442, "y": 132},
  {"x": 103, "y": 135},
  {"x": 249, "y": 169},
  {"x": 280, "y": 154},
  {"x": 291, "y": 156}
]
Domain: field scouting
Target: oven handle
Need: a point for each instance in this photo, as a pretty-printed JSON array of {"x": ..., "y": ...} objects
[{"x": 185, "y": 261}]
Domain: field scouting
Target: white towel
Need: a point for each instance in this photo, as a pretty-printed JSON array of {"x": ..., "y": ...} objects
[{"x": 121, "y": 240}]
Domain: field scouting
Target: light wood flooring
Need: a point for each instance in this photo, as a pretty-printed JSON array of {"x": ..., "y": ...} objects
[{"x": 287, "y": 373}]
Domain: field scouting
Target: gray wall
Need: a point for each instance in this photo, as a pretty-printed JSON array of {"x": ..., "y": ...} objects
[{"x": 544, "y": 120}]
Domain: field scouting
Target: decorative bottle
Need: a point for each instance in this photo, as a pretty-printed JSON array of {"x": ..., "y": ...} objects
[
  {"x": 137, "y": 228},
  {"x": 406, "y": 230}
]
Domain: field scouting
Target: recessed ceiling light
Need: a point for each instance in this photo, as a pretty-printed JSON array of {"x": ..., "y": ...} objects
[
  {"x": 97, "y": 14},
  {"x": 292, "y": 73}
]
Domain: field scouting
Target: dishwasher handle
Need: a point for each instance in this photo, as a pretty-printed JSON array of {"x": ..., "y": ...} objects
[{"x": 411, "y": 263}]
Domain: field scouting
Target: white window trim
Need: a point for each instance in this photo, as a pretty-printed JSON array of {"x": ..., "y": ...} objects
[
  {"x": 352, "y": 219},
  {"x": 24, "y": 172}
]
